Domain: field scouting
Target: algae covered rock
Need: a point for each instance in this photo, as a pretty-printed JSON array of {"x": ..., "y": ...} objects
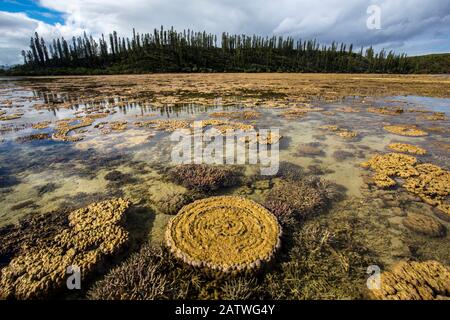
[
  {"x": 226, "y": 234},
  {"x": 93, "y": 234},
  {"x": 427, "y": 280},
  {"x": 424, "y": 224}
]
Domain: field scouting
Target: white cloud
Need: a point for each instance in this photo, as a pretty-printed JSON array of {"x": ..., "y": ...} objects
[{"x": 410, "y": 25}]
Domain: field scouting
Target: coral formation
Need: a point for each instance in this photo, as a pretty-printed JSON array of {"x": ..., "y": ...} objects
[
  {"x": 435, "y": 116},
  {"x": 118, "y": 125},
  {"x": 94, "y": 233},
  {"x": 225, "y": 233},
  {"x": 167, "y": 125},
  {"x": 144, "y": 276},
  {"x": 341, "y": 132},
  {"x": 426, "y": 280},
  {"x": 245, "y": 115},
  {"x": 341, "y": 155},
  {"x": 65, "y": 126},
  {"x": 33, "y": 137},
  {"x": 405, "y": 130},
  {"x": 204, "y": 177},
  {"x": 298, "y": 198},
  {"x": 424, "y": 224},
  {"x": 31, "y": 231},
  {"x": 392, "y": 111},
  {"x": 310, "y": 150},
  {"x": 172, "y": 202},
  {"x": 41, "y": 125},
  {"x": 290, "y": 171},
  {"x": 407, "y": 148},
  {"x": 391, "y": 164},
  {"x": 11, "y": 116},
  {"x": 431, "y": 183}
]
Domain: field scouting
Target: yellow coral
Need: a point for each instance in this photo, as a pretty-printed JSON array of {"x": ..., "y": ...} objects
[
  {"x": 64, "y": 127},
  {"x": 407, "y": 148},
  {"x": 392, "y": 164},
  {"x": 427, "y": 280},
  {"x": 94, "y": 232},
  {"x": 431, "y": 184},
  {"x": 224, "y": 233},
  {"x": 405, "y": 130}
]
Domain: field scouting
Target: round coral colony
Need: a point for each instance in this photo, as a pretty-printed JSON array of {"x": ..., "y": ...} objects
[{"x": 226, "y": 233}]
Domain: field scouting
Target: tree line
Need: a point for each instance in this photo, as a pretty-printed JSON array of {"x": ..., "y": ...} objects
[{"x": 189, "y": 51}]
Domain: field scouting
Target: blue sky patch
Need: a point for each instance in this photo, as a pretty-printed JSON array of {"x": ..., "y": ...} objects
[{"x": 33, "y": 9}]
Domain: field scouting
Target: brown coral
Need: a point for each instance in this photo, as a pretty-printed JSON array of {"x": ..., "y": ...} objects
[
  {"x": 224, "y": 233},
  {"x": 300, "y": 198},
  {"x": 203, "y": 177},
  {"x": 427, "y": 280},
  {"x": 94, "y": 232},
  {"x": 392, "y": 111},
  {"x": 423, "y": 224}
]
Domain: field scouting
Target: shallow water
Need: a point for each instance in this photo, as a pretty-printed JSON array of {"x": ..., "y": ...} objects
[{"x": 46, "y": 175}]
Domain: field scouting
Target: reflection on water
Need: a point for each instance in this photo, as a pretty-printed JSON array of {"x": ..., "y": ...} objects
[{"x": 46, "y": 175}]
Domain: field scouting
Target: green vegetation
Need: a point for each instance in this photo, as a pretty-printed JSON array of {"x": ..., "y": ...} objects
[
  {"x": 188, "y": 51},
  {"x": 432, "y": 63}
]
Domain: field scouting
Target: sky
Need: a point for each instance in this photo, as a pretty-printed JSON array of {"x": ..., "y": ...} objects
[{"x": 413, "y": 27}]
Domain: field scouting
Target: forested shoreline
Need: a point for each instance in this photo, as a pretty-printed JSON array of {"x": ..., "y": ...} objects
[{"x": 189, "y": 51}]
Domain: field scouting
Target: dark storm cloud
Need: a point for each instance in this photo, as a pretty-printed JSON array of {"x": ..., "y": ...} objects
[{"x": 412, "y": 26}]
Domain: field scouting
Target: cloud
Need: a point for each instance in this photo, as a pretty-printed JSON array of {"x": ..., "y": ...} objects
[{"x": 407, "y": 25}]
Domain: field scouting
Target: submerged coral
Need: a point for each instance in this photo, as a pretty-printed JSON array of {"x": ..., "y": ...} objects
[
  {"x": 13, "y": 116},
  {"x": 204, "y": 177},
  {"x": 31, "y": 231},
  {"x": 427, "y": 280},
  {"x": 424, "y": 224},
  {"x": 407, "y": 148},
  {"x": 391, "y": 164},
  {"x": 41, "y": 125},
  {"x": 172, "y": 202},
  {"x": 94, "y": 233},
  {"x": 341, "y": 132},
  {"x": 431, "y": 183},
  {"x": 245, "y": 115},
  {"x": 310, "y": 150},
  {"x": 405, "y": 130},
  {"x": 65, "y": 126},
  {"x": 225, "y": 233},
  {"x": 290, "y": 171},
  {"x": 299, "y": 198},
  {"x": 144, "y": 276},
  {"x": 392, "y": 111}
]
